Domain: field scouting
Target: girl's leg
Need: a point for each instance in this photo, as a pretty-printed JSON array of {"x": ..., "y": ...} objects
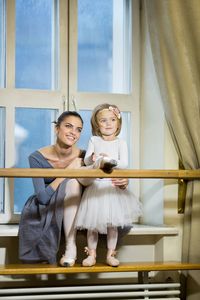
[
  {"x": 112, "y": 237},
  {"x": 71, "y": 203},
  {"x": 92, "y": 240}
]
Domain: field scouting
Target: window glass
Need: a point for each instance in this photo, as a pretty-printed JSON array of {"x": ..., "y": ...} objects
[
  {"x": 2, "y": 43},
  {"x": 104, "y": 46},
  {"x": 87, "y": 133},
  {"x": 31, "y": 133},
  {"x": 36, "y": 35},
  {"x": 2, "y": 155}
]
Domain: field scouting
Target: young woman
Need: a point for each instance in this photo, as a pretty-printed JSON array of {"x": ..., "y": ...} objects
[
  {"x": 105, "y": 207},
  {"x": 56, "y": 200}
]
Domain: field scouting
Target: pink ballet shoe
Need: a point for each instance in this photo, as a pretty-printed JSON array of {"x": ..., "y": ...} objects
[
  {"x": 111, "y": 260},
  {"x": 105, "y": 163},
  {"x": 91, "y": 259}
]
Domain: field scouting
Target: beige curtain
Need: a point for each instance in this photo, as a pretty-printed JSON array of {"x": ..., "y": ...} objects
[{"x": 174, "y": 27}]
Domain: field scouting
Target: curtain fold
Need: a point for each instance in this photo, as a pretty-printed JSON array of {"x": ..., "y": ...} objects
[{"x": 174, "y": 28}]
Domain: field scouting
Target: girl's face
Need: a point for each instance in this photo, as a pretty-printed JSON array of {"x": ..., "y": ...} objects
[
  {"x": 69, "y": 131},
  {"x": 108, "y": 124}
]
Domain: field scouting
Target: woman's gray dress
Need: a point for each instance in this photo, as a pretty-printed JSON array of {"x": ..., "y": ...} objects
[{"x": 41, "y": 219}]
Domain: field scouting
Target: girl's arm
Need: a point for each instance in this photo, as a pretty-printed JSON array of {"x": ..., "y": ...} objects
[
  {"x": 88, "y": 160},
  {"x": 122, "y": 162},
  {"x": 122, "y": 183}
]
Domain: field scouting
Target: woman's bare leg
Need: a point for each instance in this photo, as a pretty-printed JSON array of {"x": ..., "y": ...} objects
[{"x": 71, "y": 203}]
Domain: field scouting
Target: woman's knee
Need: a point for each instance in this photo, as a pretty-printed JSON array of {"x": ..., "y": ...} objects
[{"x": 73, "y": 187}]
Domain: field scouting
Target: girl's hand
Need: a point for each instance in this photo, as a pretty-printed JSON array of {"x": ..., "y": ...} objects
[
  {"x": 93, "y": 156},
  {"x": 122, "y": 183},
  {"x": 75, "y": 164},
  {"x": 103, "y": 154}
]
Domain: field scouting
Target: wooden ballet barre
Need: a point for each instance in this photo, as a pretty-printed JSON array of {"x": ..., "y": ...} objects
[{"x": 82, "y": 173}]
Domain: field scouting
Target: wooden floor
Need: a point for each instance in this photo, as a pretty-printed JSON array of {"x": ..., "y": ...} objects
[{"x": 27, "y": 269}]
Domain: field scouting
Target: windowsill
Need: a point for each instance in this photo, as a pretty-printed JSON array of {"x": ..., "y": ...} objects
[
  {"x": 9, "y": 230},
  {"x": 138, "y": 229},
  {"x": 145, "y": 229}
]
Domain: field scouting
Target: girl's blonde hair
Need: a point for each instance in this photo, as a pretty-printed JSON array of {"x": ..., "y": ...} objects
[{"x": 99, "y": 108}]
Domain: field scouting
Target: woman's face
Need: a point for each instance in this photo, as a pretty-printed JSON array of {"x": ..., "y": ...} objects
[{"x": 69, "y": 130}]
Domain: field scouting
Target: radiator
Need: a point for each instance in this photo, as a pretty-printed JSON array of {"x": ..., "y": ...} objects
[{"x": 158, "y": 291}]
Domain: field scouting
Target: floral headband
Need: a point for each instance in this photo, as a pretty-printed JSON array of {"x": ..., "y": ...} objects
[{"x": 115, "y": 110}]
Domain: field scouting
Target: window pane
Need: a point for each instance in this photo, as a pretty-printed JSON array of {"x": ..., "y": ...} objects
[
  {"x": 2, "y": 43},
  {"x": 86, "y": 132},
  {"x": 36, "y": 49},
  {"x": 31, "y": 133},
  {"x": 104, "y": 46},
  {"x": 2, "y": 155}
]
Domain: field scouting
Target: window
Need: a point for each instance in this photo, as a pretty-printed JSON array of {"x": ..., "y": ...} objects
[
  {"x": 30, "y": 134},
  {"x": 104, "y": 46},
  {"x": 31, "y": 96},
  {"x": 51, "y": 67},
  {"x": 36, "y": 47},
  {"x": 101, "y": 59}
]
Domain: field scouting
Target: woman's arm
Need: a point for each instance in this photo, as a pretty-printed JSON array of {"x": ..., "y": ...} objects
[{"x": 43, "y": 192}]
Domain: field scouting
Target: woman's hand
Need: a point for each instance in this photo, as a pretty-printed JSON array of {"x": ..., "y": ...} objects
[
  {"x": 76, "y": 163},
  {"x": 122, "y": 183}
]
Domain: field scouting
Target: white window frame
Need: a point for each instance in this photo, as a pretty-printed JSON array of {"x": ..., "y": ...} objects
[{"x": 122, "y": 46}]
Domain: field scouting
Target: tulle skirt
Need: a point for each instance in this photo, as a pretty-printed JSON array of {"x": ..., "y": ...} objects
[{"x": 103, "y": 205}]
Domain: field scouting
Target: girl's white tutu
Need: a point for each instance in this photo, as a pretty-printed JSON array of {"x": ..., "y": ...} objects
[{"x": 103, "y": 205}]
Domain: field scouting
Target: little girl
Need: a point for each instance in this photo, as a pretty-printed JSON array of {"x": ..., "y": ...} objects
[{"x": 104, "y": 207}]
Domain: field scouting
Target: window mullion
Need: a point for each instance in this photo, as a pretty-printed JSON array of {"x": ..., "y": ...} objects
[
  {"x": 63, "y": 71},
  {"x": 10, "y": 44}
]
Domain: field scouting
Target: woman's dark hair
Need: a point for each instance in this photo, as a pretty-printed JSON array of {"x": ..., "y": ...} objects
[{"x": 66, "y": 114}]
